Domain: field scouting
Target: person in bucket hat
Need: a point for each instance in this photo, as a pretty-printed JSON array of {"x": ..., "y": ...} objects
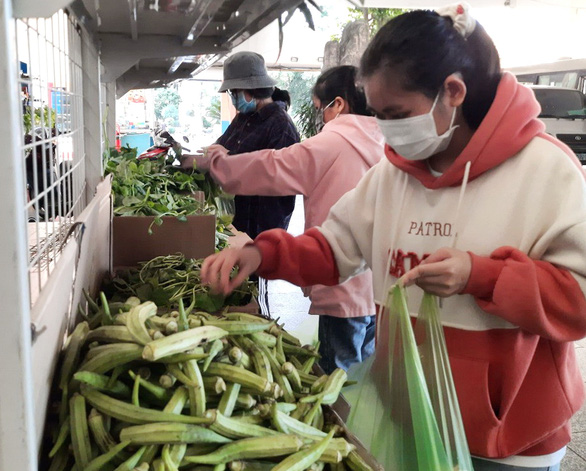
[
  {"x": 262, "y": 123},
  {"x": 246, "y": 71}
]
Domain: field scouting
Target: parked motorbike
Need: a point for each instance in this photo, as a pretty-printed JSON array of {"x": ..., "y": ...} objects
[{"x": 165, "y": 146}]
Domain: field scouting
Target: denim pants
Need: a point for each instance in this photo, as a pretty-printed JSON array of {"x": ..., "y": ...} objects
[
  {"x": 344, "y": 341},
  {"x": 484, "y": 465}
]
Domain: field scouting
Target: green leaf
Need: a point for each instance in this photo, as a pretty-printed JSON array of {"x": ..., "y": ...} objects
[{"x": 209, "y": 302}]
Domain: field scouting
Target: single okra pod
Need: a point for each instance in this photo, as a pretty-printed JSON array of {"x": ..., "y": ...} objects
[
  {"x": 239, "y": 357},
  {"x": 61, "y": 460},
  {"x": 118, "y": 354},
  {"x": 106, "y": 314},
  {"x": 235, "y": 429},
  {"x": 250, "y": 465},
  {"x": 244, "y": 377},
  {"x": 80, "y": 435},
  {"x": 239, "y": 327},
  {"x": 356, "y": 463},
  {"x": 183, "y": 323},
  {"x": 181, "y": 342},
  {"x": 318, "y": 384},
  {"x": 214, "y": 385},
  {"x": 97, "y": 464},
  {"x": 216, "y": 347},
  {"x": 305, "y": 458},
  {"x": 261, "y": 364},
  {"x": 102, "y": 383},
  {"x": 167, "y": 380},
  {"x": 197, "y": 392},
  {"x": 177, "y": 372},
  {"x": 158, "y": 391},
  {"x": 289, "y": 370},
  {"x": 286, "y": 424},
  {"x": 278, "y": 331},
  {"x": 308, "y": 365},
  {"x": 264, "y": 338},
  {"x": 331, "y": 389},
  {"x": 313, "y": 412},
  {"x": 229, "y": 397},
  {"x": 111, "y": 334},
  {"x": 134, "y": 415},
  {"x": 72, "y": 353},
  {"x": 251, "y": 448},
  {"x": 64, "y": 432},
  {"x": 161, "y": 433},
  {"x": 101, "y": 436},
  {"x": 279, "y": 352},
  {"x": 136, "y": 322}
]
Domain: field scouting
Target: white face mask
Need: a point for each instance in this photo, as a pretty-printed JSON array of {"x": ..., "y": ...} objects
[{"x": 416, "y": 138}]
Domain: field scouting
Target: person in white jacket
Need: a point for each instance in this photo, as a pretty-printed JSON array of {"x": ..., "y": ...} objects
[
  {"x": 322, "y": 169},
  {"x": 475, "y": 203}
]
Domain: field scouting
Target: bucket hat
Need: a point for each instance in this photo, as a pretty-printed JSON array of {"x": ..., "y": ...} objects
[{"x": 245, "y": 71}]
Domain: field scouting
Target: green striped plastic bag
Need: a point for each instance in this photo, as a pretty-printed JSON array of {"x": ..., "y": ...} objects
[{"x": 404, "y": 406}]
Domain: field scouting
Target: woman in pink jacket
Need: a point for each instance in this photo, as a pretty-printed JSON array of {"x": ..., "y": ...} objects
[{"x": 322, "y": 169}]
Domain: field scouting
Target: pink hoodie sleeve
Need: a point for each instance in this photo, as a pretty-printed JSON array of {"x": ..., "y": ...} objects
[
  {"x": 292, "y": 170},
  {"x": 304, "y": 260},
  {"x": 533, "y": 294}
]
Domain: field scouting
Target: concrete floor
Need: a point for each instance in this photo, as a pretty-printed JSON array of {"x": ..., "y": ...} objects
[{"x": 288, "y": 303}]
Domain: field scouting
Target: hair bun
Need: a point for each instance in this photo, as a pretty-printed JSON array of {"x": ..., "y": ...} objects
[{"x": 460, "y": 15}]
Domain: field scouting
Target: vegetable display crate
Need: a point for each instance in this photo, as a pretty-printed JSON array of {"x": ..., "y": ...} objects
[
  {"x": 144, "y": 384},
  {"x": 132, "y": 243}
]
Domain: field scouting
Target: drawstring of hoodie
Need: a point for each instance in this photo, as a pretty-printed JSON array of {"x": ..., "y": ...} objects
[{"x": 458, "y": 213}]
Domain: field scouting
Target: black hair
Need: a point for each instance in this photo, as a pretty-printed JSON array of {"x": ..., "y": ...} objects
[
  {"x": 282, "y": 95},
  {"x": 341, "y": 81},
  {"x": 425, "y": 49},
  {"x": 261, "y": 93}
]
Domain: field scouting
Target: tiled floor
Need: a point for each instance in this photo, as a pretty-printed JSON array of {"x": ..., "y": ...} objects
[{"x": 287, "y": 302}]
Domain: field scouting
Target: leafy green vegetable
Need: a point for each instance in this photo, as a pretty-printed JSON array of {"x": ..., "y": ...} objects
[
  {"x": 156, "y": 188},
  {"x": 167, "y": 279}
]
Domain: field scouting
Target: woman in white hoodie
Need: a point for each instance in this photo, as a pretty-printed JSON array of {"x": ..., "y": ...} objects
[
  {"x": 321, "y": 169},
  {"x": 509, "y": 261}
]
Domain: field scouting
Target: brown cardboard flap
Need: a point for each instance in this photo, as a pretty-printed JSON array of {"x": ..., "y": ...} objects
[{"x": 132, "y": 243}]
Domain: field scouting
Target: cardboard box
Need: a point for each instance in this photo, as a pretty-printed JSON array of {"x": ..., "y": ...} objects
[{"x": 131, "y": 242}]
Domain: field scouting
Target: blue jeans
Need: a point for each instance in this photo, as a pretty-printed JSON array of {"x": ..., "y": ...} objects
[
  {"x": 344, "y": 341},
  {"x": 484, "y": 465}
]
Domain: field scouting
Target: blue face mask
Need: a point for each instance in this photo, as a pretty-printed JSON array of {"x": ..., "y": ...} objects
[{"x": 240, "y": 103}]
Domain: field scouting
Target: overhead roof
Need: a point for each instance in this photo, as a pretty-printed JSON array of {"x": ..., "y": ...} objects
[{"x": 149, "y": 43}]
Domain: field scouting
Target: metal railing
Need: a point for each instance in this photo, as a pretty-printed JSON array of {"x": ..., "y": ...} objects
[{"x": 49, "y": 52}]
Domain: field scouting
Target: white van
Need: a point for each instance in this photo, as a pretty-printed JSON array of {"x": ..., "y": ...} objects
[{"x": 563, "y": 110}]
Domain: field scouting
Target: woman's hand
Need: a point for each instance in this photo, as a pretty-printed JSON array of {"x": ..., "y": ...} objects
[
  {"x": 216, "y": 269},
  {"x": 202, "y": 158},
  {"x": 444, "y": 273}
]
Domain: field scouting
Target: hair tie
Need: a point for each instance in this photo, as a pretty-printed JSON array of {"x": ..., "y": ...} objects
[{"x": 460, "y": 15}]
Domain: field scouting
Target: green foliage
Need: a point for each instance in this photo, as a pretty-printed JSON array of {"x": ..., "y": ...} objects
[
  {"x": 167, "y": 279},
  {"x": 306, "y": 120},
  {"x": 156, "y": 188},
  {"x": 214, "y": 112},
  {"x": 44, "y": 116},
  {"x": 299, "y": 85},
  {"x": 376, "y": 18},
  {"x": 166, "y": 103}
]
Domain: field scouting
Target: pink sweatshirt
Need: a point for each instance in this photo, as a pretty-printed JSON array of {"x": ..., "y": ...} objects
[
  {"x": 321, "y": 169},
  {"x": 510, "y": 333}
]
